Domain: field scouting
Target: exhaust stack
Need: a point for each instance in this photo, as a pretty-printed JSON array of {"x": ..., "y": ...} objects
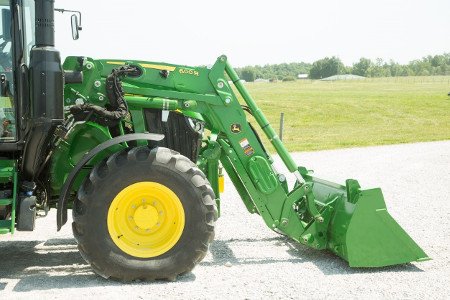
[{"x": 46, "y": 90}]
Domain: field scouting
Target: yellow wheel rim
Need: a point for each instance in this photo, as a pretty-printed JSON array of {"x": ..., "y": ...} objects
[{"x": 146, "y": 219}]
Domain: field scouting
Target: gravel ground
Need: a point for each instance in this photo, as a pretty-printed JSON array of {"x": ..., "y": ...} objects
[{"x": 247, "y": 260}]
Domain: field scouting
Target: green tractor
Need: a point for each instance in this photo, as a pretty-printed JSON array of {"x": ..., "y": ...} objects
[{"x": 136, "y": 150}]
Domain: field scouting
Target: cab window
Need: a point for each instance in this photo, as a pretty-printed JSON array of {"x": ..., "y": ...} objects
[{"x": 7, "y": 118}]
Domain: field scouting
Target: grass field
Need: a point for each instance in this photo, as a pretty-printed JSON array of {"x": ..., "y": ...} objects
[{"x": 326, "y": 115}]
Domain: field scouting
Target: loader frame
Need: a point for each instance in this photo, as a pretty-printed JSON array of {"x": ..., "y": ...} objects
[{"x": 314, "y": 212}]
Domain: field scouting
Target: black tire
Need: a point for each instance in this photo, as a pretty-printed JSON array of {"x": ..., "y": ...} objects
[{"x": 112, "y": 175}]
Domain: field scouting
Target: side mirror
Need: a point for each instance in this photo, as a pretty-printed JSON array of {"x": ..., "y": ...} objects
[
  {"x": 75, "y": 27},
  {"x": 74, "y": 21}
]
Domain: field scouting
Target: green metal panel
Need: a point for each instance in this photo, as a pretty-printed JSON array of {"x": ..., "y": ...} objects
[
  {"x": 262, "y": 175},
  {"x": 81, "y": 139}
]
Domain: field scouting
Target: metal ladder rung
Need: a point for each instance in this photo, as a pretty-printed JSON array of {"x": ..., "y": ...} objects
[
  {"x": 5, "y": 202},
  {"x": 5, "y": 226},
  {"x": 8, "y": 173}
]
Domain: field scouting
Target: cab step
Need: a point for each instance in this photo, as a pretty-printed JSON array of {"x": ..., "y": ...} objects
[
  {"x": 8, "y": 174},
  {"x": 5, "y": 226},
  {"x": 4, "y": 202}
]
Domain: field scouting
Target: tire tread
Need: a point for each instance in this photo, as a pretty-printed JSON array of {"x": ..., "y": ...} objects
[{"x": 164, "y": 156}]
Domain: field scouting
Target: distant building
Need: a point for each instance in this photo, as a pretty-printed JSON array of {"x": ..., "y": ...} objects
[
  {"x": 302, "y": 76},
  {"x": 343, "y": 77},
  {"x": 262, "y": 80},
  {"x": 241, "y": 80}
]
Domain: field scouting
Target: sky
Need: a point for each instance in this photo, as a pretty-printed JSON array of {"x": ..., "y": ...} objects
[{"x": 256, "y": 32}]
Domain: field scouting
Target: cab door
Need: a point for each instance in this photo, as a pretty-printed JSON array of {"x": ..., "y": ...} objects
[{"x": 7, "y": 104}]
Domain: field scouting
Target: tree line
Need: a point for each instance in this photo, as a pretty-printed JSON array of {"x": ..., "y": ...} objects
[{"x": 329, "y": 66}]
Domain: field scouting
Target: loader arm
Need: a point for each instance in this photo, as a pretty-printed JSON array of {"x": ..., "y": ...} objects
[{"x": 350, "y": 222}]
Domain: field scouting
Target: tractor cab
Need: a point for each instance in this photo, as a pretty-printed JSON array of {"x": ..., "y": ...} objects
[{"x": 31, "y": 82}]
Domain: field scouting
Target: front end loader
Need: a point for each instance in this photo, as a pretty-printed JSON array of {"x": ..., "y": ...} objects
[{"x": 136, "y": 150}]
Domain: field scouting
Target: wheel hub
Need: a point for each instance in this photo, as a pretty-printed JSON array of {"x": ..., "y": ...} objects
[{"x": 146, "y": 219}]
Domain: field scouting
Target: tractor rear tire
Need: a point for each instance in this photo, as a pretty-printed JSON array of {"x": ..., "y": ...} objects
[{"x": 164, "y": 236}]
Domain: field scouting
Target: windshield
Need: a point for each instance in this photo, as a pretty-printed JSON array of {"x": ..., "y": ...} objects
[
  {"x": 7, "y": 109},
  {"x": 5, "y": 38},
  {"x": 7, "y": 119}
]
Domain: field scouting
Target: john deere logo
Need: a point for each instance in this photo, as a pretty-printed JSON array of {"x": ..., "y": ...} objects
[{"x": 236, "y": 128}]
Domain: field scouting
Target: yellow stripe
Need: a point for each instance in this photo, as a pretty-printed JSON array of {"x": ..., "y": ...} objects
[
  {"x": 147, "y": 66},
  {"x": 115, "y": 62},
  {"x": 158, "y": 67}
]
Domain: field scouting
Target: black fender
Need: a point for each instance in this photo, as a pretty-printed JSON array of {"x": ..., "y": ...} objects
[{"x": 61, "y": 215}]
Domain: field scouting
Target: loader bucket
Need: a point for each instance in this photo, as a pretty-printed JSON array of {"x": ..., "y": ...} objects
[{"x": 363, "y": 232}]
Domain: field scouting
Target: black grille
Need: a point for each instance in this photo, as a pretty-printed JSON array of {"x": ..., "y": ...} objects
[{"x": 178, "y": 133}]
